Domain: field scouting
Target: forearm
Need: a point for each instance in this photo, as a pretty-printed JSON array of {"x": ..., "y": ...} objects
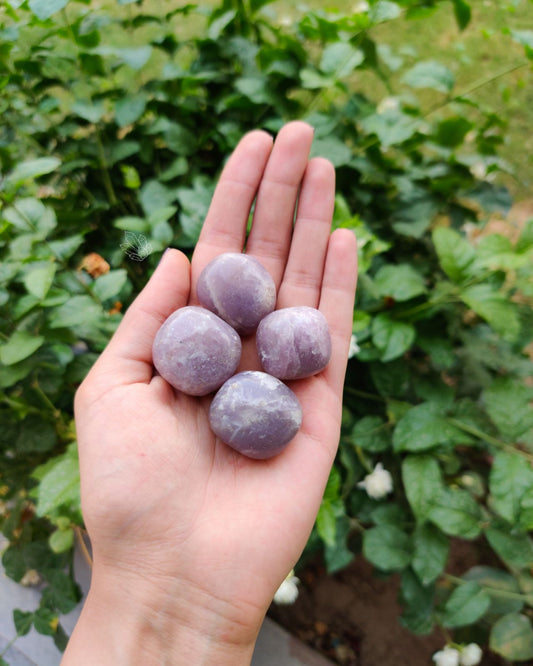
[{"x": 123, "y": 627}]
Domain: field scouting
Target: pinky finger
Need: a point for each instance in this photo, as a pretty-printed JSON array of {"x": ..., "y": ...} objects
[{"x": 337, "y": 300}]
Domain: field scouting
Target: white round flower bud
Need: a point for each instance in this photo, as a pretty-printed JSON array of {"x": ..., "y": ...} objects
[
  {"x": 447, "y": 657},
  {"x": 471, "y": 655},
  {"x": 378, "y": 484},
  {"x": 287, "y": 592}
]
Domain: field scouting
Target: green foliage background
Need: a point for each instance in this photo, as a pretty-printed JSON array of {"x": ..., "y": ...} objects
[{"x": 115, "y": 125}]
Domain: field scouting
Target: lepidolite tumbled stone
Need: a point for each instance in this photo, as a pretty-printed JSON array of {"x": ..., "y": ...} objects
[
  {"x": 195, "y": 351},
  {"x": 293, "y": 343},
  {"x": 239, "y": 289},
  {"x": 256, "y": 414}
]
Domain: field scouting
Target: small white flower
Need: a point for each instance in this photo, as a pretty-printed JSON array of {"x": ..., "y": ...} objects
[
  {"x": 447, "y": 657},
  {"x": 360, "y": 7},
  {"x": 288, "y": 591},
  {"x": 354, "y": 347},
  {"x": 286, "y": 21},
  {"x": 31, "y": 577},
  {"x": 479, "y": 170},
  {"x": 471, "y": 655},
  {"x": 378, "y": 483},
  {"x": 388, "y": 104}
]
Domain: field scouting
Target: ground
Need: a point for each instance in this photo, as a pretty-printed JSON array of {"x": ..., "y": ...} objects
[{"x": 352, "y": 617}]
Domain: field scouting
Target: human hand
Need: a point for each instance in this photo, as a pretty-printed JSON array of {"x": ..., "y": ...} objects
[{"x": 191, "y": 539}]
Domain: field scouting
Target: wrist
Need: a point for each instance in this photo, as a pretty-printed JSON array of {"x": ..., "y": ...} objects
[{"x": 124, "y": 623}]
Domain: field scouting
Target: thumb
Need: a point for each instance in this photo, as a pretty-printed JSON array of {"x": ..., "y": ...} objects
[{"x": 127, "y": 359}]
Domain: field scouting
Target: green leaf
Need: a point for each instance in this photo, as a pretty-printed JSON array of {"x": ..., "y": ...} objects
[
  {"x": 109, "y": 285},
  {"x": 431, "y": 549},
  {"x": 423, "y": 428},
  {"x": 23, "y": 621},
  {"x": 456, "y": 513},
  {"x": 452, "y": 131},
  {"x": 387, "y": 547},
  {"x": 39, "y": 280},
  {"x": 31, "y": 169},
  {"x": 61, "y": 540},
  {"x": 430, "y": 74},
  {"x": 516, "y": 550},
  {"x": 132, "y": 223},
  {"x": 154, "y": 195},
  {"x": 326, "y": 523},
  {"x": 194, "y": 202},
  {"x": 383, "y": 10},
  {"x": 36, "y": 435},
  {"x": 77, "y": 311},
  {"x": 401, "y": 282},
  {"x": 339, "y": 59},
  {"x": 62, "y": 594},
  {"x": 60, "y": 484},
  {"x": 43, "y": 9},
  {"x": 372, "y": 434},
  {"x": 45, "y": 621},
  {"x": 338, "y": 555},
  {"x": 512, "y": 637},
  {"x": 391, "y": 379},
  {"x": 496, "y": 308},
  {"x": 391, "y": 337},
  {"x": 511, "y": 477},
  {"x": 466, "y": 604},
  {"x": 92, "y": 112},
  {"x": 422, "y": 481},
  {"x": 129, "y": 109},
  {"x": 507, "y": 402},
  {"x": 338, "y": 153},
  {"x": 19, "y": 346},
  {"x": 455, "y": 253},
  {"x": 462, "y": 12},
  {"x": 32, "y": 215},
  {"x": 392, "y": 127},
  {"x": 217, "y": 26},
  {"x": 498, "y": 584},
  {"x": 417, "y": 600}
]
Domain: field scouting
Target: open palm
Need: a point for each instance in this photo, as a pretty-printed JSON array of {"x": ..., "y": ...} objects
[{"x": 172, "y": 511}]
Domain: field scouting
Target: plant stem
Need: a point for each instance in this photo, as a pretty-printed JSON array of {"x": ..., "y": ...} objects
[
  {"x": 475, "y": 432},
  {"x": 496, "y": 591},
  {"x": 108, "y": 184}
]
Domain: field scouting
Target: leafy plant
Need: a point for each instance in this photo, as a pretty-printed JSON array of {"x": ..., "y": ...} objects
[{"x": 115, "y": 125}]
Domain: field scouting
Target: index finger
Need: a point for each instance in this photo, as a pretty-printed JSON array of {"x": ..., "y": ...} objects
[{"x": 224, "y": 229}]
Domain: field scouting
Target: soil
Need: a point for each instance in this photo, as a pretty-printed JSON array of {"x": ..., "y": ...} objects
[{"x": 352, "y": 617}]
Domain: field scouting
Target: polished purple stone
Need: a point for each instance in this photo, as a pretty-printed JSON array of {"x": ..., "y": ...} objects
[
  {"x": 195, "y": 351},
  {"x": 239, "y": 289},
  {"x": 255, "y": 414},
  {"x": 293, "y": 343}
]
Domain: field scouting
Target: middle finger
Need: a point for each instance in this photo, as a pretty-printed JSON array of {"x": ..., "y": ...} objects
[{"x": 272, "y": 225}]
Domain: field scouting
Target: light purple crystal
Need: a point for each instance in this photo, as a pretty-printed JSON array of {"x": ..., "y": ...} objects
[
  {"x": 293, "y": 343},
  {"x": 195, "y": 351},
  {"x": 255, "y": 414},
  {"x": 239, "y": 289}
]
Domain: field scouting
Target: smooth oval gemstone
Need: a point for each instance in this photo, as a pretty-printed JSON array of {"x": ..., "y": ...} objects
[
  {"x": 293, "y": 343},
  {"x": 239, "y": 289},
  {"x": 195, "y": 351},
  {"x": 255, "y": 414}
]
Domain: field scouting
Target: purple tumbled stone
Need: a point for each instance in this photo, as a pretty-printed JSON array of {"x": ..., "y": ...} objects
[
  {"x": 255, "y": 414},
  {"x": 195, "y": 351},
  {"x": 239, "y": 289},
  {"x": 293, "y": 343}
]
